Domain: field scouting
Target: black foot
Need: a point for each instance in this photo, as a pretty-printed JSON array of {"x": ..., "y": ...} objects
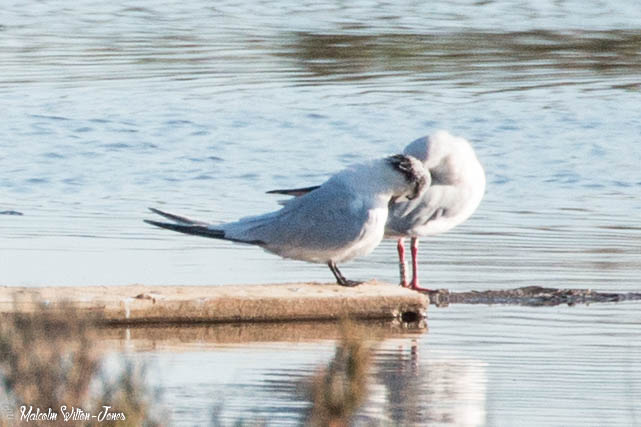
[
  {"x": 340, "y": 279},
  {"x": 350, "y": 283}
]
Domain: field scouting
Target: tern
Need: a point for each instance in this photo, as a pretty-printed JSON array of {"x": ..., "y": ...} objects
[
  {"x": 335, "y": 222},
  {"x": 452, "y": 194}
]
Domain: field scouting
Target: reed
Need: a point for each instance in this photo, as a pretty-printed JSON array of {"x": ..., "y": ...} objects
[{"x": 52, "y": 359}]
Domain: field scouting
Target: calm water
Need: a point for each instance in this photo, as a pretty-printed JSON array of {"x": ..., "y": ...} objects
[
  {"x": 200, "y": 107},
  {"x": 497, "y": 366}
]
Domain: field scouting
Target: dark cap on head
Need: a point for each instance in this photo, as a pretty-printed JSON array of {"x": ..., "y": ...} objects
[{"x": 412, "y": 170}]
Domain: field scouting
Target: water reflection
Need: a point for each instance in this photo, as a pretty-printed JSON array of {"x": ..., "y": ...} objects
[
  {"x": 522, "y": 59},
  {"x": 404, "y": 387},
  {"x": 421, "y": 391},
  {"x": 129, "y": 46},
  {"x": 208, "y": 336},
  {"x": 477, "y": 365}
]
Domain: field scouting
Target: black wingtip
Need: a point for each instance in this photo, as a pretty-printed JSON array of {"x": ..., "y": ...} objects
[{"x": 294, "y": 191}]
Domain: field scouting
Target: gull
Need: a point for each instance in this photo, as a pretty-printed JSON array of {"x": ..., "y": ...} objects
[
  {"x": 454, "y": 191},
  {"x": 340, "y": 220}
]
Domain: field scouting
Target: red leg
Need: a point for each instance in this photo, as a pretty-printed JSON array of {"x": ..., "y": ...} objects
[
  {"x": 402, "y": 265},
  {"x": 414, "y": 285}
]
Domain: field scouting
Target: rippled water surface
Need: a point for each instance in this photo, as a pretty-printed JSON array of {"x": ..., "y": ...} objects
[{"x": 201, "y": 107}]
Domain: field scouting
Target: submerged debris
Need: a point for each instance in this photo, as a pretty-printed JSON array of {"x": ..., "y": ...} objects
[{"x": 530, "y": 296}]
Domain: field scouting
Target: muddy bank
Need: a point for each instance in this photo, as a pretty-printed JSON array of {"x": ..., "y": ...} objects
[{"x": 529, "y": 296}]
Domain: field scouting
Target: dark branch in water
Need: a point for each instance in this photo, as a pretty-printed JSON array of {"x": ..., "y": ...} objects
[{"x": 533, "y": 296}]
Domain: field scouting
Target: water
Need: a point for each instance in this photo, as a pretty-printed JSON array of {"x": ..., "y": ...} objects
[
  {"x": 110, "y": 107},
  {"x": 476, "y": 366}
]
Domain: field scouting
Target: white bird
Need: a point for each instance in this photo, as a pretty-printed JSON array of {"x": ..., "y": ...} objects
[
  {"x": 454, "y": 192},
  {"x": 340, "y": 220}
]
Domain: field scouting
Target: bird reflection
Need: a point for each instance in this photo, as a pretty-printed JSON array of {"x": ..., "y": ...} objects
[
  {"x": 407, "y": 389},
  {"x": 409, "y": 385}
]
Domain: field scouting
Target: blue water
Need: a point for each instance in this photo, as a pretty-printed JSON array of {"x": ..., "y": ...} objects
[
  {"x": 199, "y": 108},
  {"x": 492, "y": 366}
]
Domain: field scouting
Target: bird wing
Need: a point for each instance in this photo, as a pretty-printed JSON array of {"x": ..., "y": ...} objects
[
  {"x": 296, "y": 192},
  {"x": 426, "y": 214},
  {"x": 326, "y": 219},
  {"x": 405, "y": 216},
  {"x": 319, "y": 226}
]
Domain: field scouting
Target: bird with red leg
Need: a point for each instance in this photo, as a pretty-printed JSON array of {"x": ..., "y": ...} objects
[{"x": 455, "y": 189}]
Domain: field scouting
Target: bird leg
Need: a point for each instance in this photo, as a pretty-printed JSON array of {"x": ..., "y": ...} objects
[
  {"x": 414, "y": 284},
  {"x": 402, "y": 265},
  {"x": 340, "y": 279}
]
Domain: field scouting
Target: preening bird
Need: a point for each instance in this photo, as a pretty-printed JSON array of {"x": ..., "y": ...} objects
[
  {"x": 453, "y": 192},
  {"x": 335, "y": 222}
]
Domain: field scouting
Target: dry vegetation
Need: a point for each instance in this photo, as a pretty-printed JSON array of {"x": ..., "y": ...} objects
[{"x": 51, "y": 359}]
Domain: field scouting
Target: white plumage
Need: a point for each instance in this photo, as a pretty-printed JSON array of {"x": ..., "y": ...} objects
[
  {"x": 454, "y": 191},
  {"x": 342, "y": 219}
]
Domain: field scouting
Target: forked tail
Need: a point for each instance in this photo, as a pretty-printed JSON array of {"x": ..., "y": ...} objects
[
  {"x": 194, "y": 227},
  {"x": 186, "y": 225}
]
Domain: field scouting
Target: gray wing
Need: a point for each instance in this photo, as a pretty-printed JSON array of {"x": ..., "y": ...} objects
[
  {"x": 327, "y": 218},
  {"x": 294, "y": 192}
]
